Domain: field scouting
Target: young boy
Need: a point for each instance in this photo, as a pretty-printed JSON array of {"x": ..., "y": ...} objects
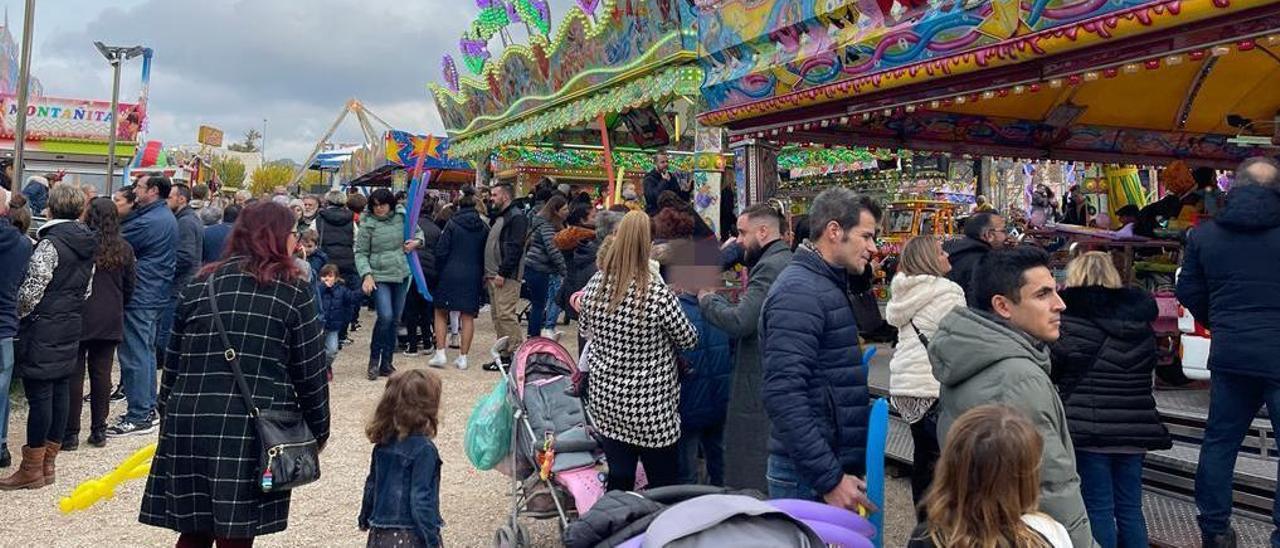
[{"x": 336, "y": 303}]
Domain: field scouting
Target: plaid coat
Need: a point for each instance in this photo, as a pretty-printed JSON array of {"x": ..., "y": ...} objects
[{"x": 205, "y": 475}]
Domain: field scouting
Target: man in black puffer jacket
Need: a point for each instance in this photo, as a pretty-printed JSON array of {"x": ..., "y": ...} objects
[
  {"x": 981, "y": 233},
  {"x": 1230, "y": 282},
  {"x": 815, "y": 384}
]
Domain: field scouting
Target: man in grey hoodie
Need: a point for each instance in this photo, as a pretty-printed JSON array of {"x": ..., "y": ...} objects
[{"x": 996, "y": 353}]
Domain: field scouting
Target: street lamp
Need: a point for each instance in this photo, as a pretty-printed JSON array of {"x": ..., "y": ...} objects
[{"x": 116, "y": 55}]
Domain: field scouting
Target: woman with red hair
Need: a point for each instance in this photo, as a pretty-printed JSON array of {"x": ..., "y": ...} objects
[{"x": 204, "y": 480}]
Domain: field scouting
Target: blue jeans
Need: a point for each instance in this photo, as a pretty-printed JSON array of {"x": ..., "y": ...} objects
[
  {"x": 330, "y": 346},
  {"x": 537, "y": 283},
  {"x": 164, "y": 326},
  {"x": 785, "y": 481},
  {"x": 1111, "y": 485},
  {"x": 6, "y": 376},
  {"x": 711, "y": 441},
  {"x": 388, "y": 300},
  {"x": 137, "y": 355},
  {"x": 1233, "y": 404},
  {"x": 553, "y": 307}
]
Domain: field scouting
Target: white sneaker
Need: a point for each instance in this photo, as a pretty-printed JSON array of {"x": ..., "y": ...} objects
[
  {"x": 461, "y": 362},
  {"x": 548, "y": 333},
  {"x": 439, "y": 359}
]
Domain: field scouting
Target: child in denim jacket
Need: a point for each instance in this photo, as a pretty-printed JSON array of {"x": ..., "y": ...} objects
[{"x": 402, "y": 492}]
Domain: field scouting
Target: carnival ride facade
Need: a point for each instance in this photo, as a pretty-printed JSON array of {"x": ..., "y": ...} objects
[
  {"x": 1121, "y": 82},
  {"x": 1042, "y": 92},
  {"x": 587, "y": 103},
  {"x": 70, "y": 136}
]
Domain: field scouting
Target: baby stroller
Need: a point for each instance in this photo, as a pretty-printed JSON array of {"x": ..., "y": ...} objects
[{"x": 556, "y": 464}]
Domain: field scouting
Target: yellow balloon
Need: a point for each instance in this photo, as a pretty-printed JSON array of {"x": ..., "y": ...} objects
[{"x": 91, "y": 491}]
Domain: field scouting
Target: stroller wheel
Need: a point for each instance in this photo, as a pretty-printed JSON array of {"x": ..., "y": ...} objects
[
  {"x": 522, "y": 536},
  {"x": 505, "y": 537}
]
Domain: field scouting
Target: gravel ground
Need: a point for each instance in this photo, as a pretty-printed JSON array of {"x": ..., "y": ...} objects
[{"x": 473, "y": 503}]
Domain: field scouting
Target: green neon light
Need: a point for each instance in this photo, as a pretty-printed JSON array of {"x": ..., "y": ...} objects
[
  {"x": 603, "y": 70},
  {"x": 591, "y": 30}
]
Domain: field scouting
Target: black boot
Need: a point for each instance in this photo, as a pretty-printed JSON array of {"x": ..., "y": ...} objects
[
  {"x": 70, "y": 441},
  {"x": 98, "y": 437},
  {"x": 6, "y": 460},
  {"x": 385, "y": 369},
  {"x": 1224, "y": 540},
  {"x": 373, "y": 369}
]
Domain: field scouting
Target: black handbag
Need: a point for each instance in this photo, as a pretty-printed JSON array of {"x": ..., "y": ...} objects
[{"x": 288, "y": 454}]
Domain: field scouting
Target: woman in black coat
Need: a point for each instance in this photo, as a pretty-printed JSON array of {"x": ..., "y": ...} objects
[
  {"x": 103, "y": 325},
  {"x": 1102, "y": 365},
  {"x": 205, "y": 476},
  {"x": 419, "y": 313},
  {"x": 50, "y": 302},
  {"x": 460, "y": 261}
]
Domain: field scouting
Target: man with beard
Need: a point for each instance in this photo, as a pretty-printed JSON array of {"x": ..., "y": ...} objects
[
  {"x": 310, "y": 211},
  {"x": 815, "y": 387},
  {"x": 747, "y": 424},
  {"x": 659, "y": 180},
  {"x": 503, "y": 266},
  {"x": 982, "y": 233}
]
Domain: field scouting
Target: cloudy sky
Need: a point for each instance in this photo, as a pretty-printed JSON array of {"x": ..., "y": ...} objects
[{"x": 233, "y": 63}]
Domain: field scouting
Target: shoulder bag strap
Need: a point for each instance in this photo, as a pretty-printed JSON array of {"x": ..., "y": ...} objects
[
  {"x": 228, "y": 352},
  {"x": 923, "y": 339}
]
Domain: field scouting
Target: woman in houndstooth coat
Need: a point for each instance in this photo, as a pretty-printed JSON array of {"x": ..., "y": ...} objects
[
  {"x": 636, "y": 326},
  {"x": 204, "y": 480}
]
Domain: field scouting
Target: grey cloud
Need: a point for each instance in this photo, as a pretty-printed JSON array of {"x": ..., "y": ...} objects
[{"x": 231, "y": 63}]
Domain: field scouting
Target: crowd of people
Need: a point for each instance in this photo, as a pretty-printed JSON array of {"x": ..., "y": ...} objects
[{"x": 1000, "y": 373}]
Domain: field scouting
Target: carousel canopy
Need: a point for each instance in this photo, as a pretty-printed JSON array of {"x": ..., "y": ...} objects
[
  {"x": 1120, "y": 81},
  {"x": 624, "y": 55}
]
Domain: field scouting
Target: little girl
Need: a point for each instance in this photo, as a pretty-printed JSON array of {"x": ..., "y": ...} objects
[
  {"x": 986, "y": 488},
  {"x": 402, "y": 493}
]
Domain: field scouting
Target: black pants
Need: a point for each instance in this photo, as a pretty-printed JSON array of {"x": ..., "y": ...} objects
[
  {"x": 924, "y": 433},
  {"x": 355, "y": 285},
  {"x": 94, "y": 357},
  {"x": 202, "y": 540},
  {"x": 661, "y": 464},
  {"x": 418, "y": 320},
  {"x": 48, "y": 402}
]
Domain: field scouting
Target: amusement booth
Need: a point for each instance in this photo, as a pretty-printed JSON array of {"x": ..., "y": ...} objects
[
  {"x": 1116, "y": 98},
  {"x": 587, "y": 103}
]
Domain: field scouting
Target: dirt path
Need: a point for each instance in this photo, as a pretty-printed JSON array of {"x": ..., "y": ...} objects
[{"x": 473, "y": 503}]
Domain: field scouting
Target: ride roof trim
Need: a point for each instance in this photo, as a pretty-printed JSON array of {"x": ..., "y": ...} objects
[
  {"x": 738, "y": 91},
  {"x": 632, "y": 54}
]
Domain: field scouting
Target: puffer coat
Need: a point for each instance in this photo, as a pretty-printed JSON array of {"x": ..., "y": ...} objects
[
  {"x": 380, "y": 247},
  {"x": 815, "y": 383},
  {"x": 1102, "y": 366},
  {"x": 543, "y": 255},
  {"x": 917, "y": 302}
]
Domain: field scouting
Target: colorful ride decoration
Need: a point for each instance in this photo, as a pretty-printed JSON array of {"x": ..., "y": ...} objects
[
  {"x": 1118, "y": 82},
  {"x": 426, "y": 158},
  {"x": 634, "y": 54}
]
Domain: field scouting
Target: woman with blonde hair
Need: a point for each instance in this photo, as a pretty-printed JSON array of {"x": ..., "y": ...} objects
[
  {"x": 1102, "y": 366},
  {"x": 986, "y": 493},
  {"x": 635, "y": 325},
  {"x": 921, "y": 296}
]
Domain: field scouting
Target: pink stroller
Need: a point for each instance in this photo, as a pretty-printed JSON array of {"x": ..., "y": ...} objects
[{"x": 556, "y": 464}]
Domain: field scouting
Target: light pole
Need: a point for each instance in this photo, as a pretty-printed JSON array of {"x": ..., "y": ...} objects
[
  {"x": 263, "y": 147},
  {"x": 24, "y": 91},
  {"x": 116, "y": 55}
]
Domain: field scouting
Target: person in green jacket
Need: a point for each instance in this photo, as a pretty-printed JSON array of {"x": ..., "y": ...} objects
[
  {"x": 997, "y": 353},
  {"x": 384, "y": 271}
]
